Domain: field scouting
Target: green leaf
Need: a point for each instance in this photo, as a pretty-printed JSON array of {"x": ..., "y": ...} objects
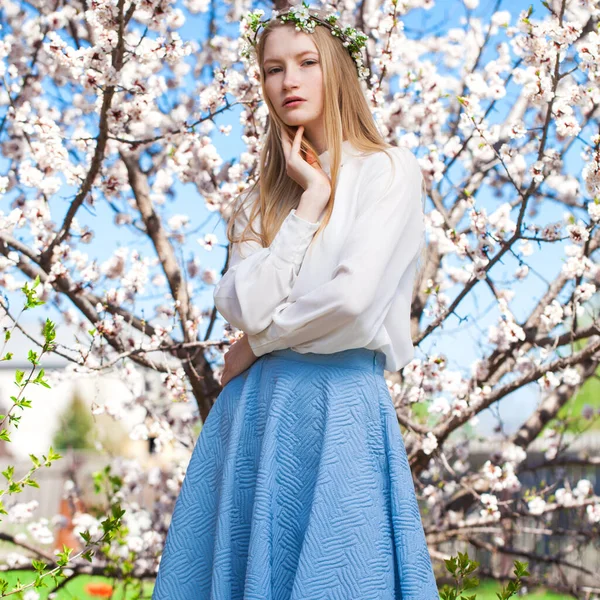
[
  {"x": 9, "y": 472},
  {"x": 49, "y": 331},
  {"x": 53, "y": 455},
  {"x": 451, "y": 564},
  {"x": 470, "y": 583},
  {"x": 39, "y": 565},
  {"x": 15, "y": 488},
  {"x": 88, "y": 555}
]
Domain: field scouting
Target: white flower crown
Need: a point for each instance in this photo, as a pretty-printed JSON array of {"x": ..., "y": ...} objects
[{"x": 352, "y": 39}]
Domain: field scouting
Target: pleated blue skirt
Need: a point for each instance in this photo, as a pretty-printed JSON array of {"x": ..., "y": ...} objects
[{"x": 299, "y": 488}]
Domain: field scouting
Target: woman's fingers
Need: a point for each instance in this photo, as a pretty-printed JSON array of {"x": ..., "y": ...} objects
[
  {"x": 298, "y": 161},
  {"x": 297, "y": 140},
  {"x": 291, "y": 147},
  {"x": 285, "y": 142}
]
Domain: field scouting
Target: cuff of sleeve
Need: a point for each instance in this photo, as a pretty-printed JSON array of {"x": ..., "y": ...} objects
[
  {"x": 261, "y": 344},
  {"x": 293, "y": 238}
]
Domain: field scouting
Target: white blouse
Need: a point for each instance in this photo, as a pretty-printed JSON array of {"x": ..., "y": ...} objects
[{"x": 352, "y": 287}]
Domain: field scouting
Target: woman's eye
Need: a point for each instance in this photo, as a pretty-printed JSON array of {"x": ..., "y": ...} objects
[{"x": 314, "y": 62}]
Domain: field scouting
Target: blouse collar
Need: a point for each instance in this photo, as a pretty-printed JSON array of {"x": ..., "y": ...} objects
[{"x": 348, "y": 150}]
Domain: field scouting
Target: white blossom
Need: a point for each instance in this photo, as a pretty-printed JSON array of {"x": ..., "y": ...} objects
[
  {"x": 537, "y": 506},
  {"x": 22, "y": 512},
  {"x": 430, "y": 443}
]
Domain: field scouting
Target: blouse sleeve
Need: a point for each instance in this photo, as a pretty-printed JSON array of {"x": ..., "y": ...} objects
[
  {"x": 384, "y": 239},
  {"x": 258, "y": 279}
]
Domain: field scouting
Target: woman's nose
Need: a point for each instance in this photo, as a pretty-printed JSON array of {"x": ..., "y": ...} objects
[{"x": 290, "y": 79}]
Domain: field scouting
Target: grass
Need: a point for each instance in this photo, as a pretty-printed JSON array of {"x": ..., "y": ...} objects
[
  {"x": 488, "y": 588},
  {"x": 74, "y": 590}
]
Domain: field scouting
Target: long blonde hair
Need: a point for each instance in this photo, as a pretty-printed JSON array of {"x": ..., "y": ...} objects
[{"x": 346, "y": 114}]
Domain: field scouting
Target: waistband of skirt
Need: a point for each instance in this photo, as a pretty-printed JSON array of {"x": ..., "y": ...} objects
[{"x": 353, "y": 358}]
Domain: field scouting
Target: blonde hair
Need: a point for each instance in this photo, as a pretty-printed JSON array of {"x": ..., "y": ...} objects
[{"x": 346, "y": 114}]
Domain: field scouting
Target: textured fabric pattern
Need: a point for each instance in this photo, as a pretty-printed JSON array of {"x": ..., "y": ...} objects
[{"x": 299, "y": 488}]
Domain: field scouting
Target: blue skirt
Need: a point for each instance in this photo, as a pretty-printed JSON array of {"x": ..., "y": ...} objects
[{"x": 299, "y": 488}]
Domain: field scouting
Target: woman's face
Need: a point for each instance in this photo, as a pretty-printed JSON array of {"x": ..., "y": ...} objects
[{"x": 292, "y": 68}]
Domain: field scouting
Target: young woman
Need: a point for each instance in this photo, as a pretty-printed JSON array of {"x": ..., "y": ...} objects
[{"x": 299, "y": 487}]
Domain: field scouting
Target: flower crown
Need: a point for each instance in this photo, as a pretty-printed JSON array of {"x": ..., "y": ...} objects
[{"x": 352, "y": 39}]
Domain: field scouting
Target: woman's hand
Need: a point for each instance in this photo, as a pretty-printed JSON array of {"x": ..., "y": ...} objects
[
  {"x": 238, "y": 358},
  {"x": 306, "y": 173}
]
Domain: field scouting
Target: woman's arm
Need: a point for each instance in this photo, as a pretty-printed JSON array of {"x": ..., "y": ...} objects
[
  {"x": 259, "y": 279},
  {"x": 384, "y": 240}
]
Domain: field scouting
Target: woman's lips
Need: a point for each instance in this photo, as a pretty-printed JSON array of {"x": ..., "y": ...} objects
[{"x": 293, "y": 103}]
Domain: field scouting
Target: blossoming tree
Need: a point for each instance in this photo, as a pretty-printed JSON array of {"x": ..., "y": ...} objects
[{"x": 113, "y": 102}]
